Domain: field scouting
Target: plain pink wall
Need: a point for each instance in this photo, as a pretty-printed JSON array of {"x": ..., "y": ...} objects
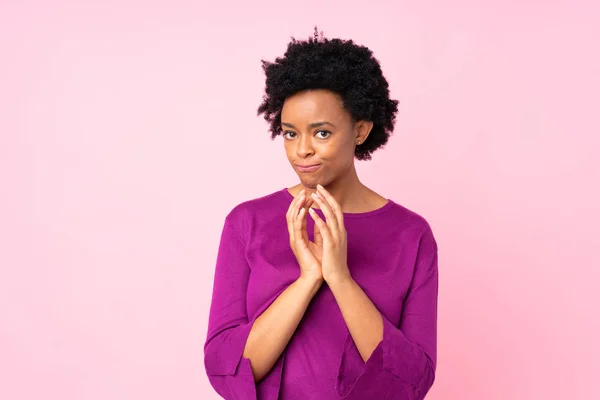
[{"x": 128, "y": 130}]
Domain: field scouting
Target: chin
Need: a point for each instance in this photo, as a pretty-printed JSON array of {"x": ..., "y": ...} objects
[{"x": 310, "y": 183}]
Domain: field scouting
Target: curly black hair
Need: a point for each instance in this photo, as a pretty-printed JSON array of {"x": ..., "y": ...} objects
[{"x": 341, "y": 66}]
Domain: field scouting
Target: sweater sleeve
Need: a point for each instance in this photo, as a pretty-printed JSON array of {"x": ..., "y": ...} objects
[
  {"x": 402, "y": 366},
  {"x": 229, "y": 373}
]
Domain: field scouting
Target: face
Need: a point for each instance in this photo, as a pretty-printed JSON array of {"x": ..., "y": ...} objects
[{"x": 320, "y": 136}]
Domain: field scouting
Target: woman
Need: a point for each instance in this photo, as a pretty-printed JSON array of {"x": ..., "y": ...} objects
[{"x": 327, "y": 289}]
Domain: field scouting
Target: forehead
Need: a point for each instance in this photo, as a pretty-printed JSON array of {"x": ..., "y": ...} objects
[{"x": 313, "y": 105}]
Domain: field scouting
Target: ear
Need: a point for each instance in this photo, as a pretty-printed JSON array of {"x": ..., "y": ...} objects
[{"x": 363, "y": 128}]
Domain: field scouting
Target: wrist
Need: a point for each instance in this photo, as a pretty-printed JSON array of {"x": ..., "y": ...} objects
[
  {"x": 339, "y": 281},
  {"x": 310, "y": 283}
]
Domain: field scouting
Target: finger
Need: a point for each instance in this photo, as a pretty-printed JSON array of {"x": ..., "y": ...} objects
[
  {"x": 309, "y": 202},
  {"x": 292, "y": 213},
  {"x": 294, "y": 202},
  {"x": 335, "y": 207},
  {"x": 298, "y": 236},
  {"x": 303, "y": 228},
  {"x": 324, "y": 230},
  {"x": 318, "y": 239},
  {"x": 330, "y": 218}
]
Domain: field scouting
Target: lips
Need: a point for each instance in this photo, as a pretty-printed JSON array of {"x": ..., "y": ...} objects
[{"x": 308, "y": 168}]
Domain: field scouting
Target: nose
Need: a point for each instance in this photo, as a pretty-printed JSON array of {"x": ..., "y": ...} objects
[{"x": 304, "y": 146}]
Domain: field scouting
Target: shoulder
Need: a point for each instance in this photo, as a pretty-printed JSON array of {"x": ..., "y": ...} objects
[
  {"x": 248, "y": 210},
  {"x": 414, "y": 228},
  {"x": 397, "y": 216},
  {"x": 408, "y": 218}
]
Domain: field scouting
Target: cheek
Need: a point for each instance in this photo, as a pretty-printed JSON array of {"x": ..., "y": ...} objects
[
  {"x": 339, "y": 154},
  {"x": 289, "y": 150}
]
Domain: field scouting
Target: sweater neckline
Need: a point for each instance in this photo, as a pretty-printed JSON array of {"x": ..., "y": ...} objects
[{"x": 371, "y": 213}]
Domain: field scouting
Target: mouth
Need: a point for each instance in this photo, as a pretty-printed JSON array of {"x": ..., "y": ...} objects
[{"x": 308, "y": 168}]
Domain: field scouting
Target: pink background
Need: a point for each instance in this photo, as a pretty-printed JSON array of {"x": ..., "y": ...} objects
[{"x": 128, "y": 130}]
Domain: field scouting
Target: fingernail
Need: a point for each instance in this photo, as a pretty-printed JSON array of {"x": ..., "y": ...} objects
[{"x": 319, "y": 186}]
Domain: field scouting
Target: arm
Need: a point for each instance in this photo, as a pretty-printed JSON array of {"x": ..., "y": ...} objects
[
  {"x": 364, "y": 321},
  {"x": 238, "y": 351},
  {"x": 380, "y": 359},
  {"x": 274, "y": 328},
  {"x": 406, "y": 352}
]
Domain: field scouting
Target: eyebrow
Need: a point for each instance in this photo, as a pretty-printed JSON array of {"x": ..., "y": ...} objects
[{"x": 313, "y": 125}]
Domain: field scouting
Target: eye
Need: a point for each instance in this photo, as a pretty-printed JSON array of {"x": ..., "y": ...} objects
[
  {"x": 289, "y": 134},
  {"x": 324, "y": 134}
]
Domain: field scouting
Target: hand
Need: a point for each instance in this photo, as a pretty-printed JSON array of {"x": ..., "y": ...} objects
[
  {"x": 307, "y": 253},
  {"x": 331, "y": 237}
]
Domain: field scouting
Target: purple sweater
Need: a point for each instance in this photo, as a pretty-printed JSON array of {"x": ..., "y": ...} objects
[{"x": 392, "y": 255}]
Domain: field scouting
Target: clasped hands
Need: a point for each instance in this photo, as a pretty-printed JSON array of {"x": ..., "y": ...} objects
[{"x": 324, "y": 258}]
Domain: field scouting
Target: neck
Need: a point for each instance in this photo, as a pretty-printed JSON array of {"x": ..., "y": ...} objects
[{"x": 346, "y": 190}]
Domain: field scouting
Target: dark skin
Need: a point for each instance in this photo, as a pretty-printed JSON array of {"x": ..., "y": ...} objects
[
  {"x": 318, "y": 130},
  {"x": 331, "y": 145}
]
